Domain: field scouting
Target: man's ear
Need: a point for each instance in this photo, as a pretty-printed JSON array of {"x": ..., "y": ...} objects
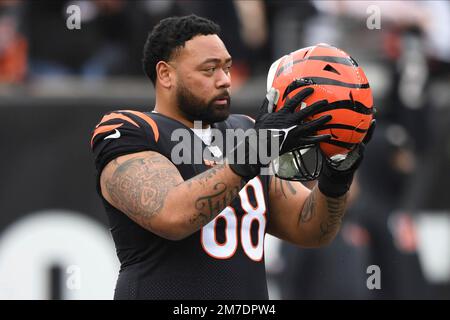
[{"x": 164, "y": 74}]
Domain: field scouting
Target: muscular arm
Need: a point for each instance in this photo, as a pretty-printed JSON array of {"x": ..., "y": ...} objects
[
  {"x": 303, "y": 217},
  {"x": 149, "y": 189}
]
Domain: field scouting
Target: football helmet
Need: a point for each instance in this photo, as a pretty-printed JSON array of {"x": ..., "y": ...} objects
[{"x": 336, "y": 77}]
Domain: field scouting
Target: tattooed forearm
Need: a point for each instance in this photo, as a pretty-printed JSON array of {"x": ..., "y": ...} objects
[
  {"x": 336, "y": 210},
  {"x": 284, "y": 187},
  {"x": 147, "y": 185},
  {"x": 321, "y": 217},
  {"x": 211, "y": 204},
  {"x": 140, "y": 185},
  {"x": 208, "y": 174},
  {"x": 200, "y": 219},
  {"x": 309, "y": 208}
]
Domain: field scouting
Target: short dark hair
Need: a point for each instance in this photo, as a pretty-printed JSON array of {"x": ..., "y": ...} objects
[{"x": 170, "y": 34}]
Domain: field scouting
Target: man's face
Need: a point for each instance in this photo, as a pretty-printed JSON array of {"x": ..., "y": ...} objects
[{"x": 203, "y": 79}]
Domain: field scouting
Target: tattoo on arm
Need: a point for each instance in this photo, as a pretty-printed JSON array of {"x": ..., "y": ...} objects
[
  {"x": 282, "y": 186},
  {"x": 309, "y": 208},
  {"x": 140, "y": 185},
  {"x": 204, "y": 177},
  {"x": 336, "y": 209},
  {"x": 210, "y": 205},
  {"x": 331, "y": 223}
]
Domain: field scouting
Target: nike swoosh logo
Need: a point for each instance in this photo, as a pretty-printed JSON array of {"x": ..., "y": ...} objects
[
  {"x": 115, "y": 135},
  {"x": 279, "y": 132},
  {"x": 285, "y": 131}
]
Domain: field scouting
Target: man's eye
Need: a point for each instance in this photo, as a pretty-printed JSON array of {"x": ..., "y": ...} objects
[
  {"x": 227, "y": 69},
  {"x": 210, "y": 70}
]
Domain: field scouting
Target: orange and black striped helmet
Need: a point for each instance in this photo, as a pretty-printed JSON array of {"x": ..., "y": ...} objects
[{"x": 336, "y": 77}]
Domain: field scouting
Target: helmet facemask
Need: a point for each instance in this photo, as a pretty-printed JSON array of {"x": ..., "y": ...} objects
[{"x": 304, "y": 164}]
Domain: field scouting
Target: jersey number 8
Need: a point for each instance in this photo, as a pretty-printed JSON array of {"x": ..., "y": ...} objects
[{"x": 252, "y": 214}]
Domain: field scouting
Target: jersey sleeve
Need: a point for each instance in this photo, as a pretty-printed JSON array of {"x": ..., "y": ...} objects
[{"x": 123, "y": 132}]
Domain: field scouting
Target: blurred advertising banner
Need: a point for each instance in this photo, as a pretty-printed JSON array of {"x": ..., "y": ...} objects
[{"x": 54, "y": 241}]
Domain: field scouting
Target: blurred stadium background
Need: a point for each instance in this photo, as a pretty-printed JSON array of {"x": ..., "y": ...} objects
[{"x": 55, "y": 83}]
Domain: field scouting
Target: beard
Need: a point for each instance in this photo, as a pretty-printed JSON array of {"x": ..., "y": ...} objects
[{"x": 195, "y": 109}]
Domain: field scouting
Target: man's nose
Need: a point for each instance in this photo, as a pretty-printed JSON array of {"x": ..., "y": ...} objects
[{"x": 224, "y": 79}]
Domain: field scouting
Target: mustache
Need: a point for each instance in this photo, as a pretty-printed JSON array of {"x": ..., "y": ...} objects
[{"x": 223, "y": 95}]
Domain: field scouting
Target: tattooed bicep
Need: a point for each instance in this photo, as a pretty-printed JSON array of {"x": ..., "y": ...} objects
[{"x": 137, "y": 184}]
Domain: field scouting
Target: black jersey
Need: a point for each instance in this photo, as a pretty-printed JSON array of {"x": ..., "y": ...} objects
[{"x": 223, "y": 260}]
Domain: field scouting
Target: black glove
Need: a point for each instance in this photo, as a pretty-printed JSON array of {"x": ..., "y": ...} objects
[
  {"x": 285, "y": 129},
  {"x": 337, "y": 176}
]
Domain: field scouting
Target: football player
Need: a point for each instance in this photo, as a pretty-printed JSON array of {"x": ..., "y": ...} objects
[{"x": 196, "y": 230}]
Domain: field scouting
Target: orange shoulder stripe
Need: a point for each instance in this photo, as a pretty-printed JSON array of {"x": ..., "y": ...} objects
[
  {"x": 103, "y": 129},
  {"x": 147, "y": 119},
  {"x": 113, "y": 115}
]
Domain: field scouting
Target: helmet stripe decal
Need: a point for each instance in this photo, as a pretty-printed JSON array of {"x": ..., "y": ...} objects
[
  {"x": 342, "y": 144},
  {"x": 348, "y": 61},
  {"x": 342, "y": 126},
  {"x": 308, "y": 81},
  {"x": 355, "y": 106}
]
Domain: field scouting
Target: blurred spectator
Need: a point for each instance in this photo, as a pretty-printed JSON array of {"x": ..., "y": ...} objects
[
  {"x": 430, "y": 17},
  {"x": 393, "y": 243},
  {"x": 13, "y": 45},
  {"x": 96, "y": 50},
  {"x": 288, "y": 21},
  {"x": 112, "y": 32}
]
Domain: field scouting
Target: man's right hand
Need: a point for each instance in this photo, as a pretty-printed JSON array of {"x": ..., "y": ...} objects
[{"x": 286, "y": 129}]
